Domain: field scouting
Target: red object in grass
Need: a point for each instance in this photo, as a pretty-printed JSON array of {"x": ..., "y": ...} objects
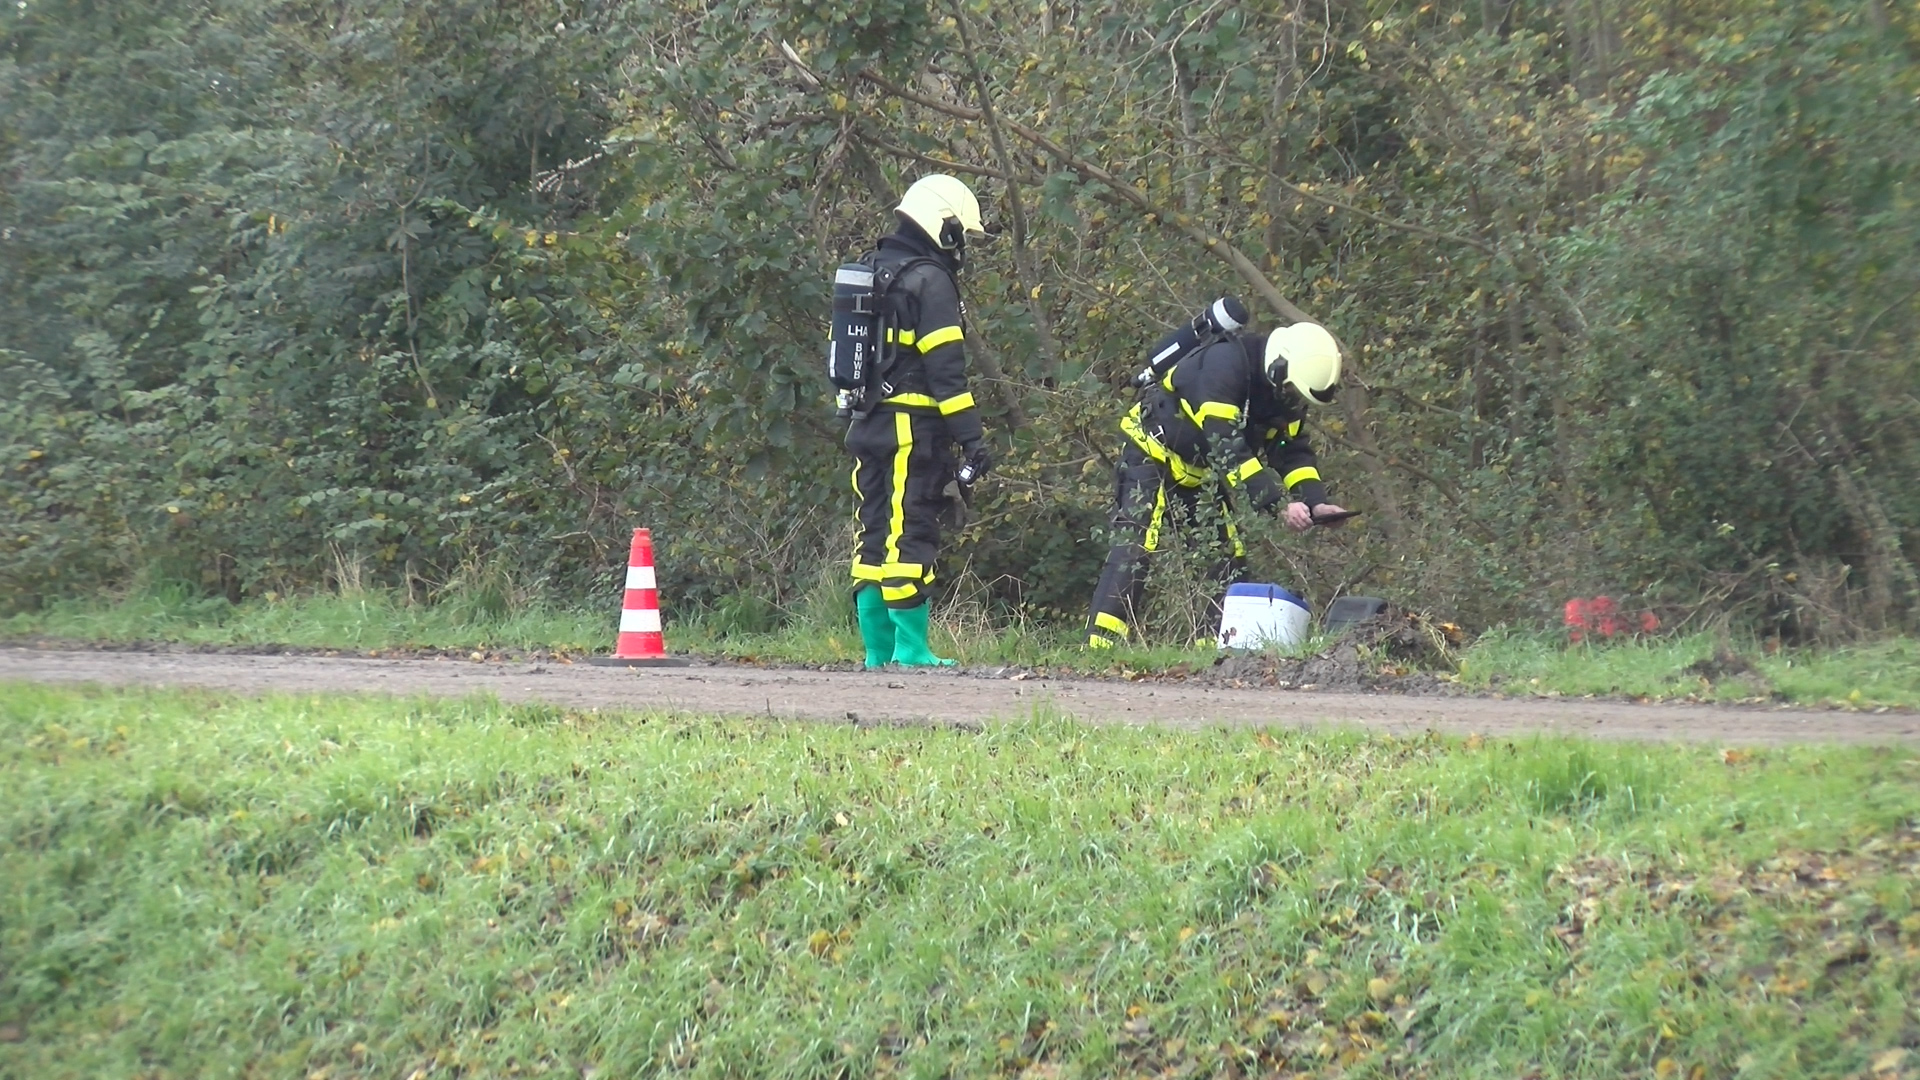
[
  {"x": 1576, "y": 620},
  {"x": 1601, "y": 616},
  {"x": 1606, "y": 616}
]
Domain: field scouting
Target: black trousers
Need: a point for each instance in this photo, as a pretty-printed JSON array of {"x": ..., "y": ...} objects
[
  {"x": 901, "y": 465},
  {"x": 1148, "y": 501}
]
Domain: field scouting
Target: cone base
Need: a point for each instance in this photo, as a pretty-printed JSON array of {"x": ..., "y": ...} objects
[{"x": 638, "y": 661}]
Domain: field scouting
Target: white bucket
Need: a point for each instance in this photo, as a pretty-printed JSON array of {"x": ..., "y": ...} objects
[{"x": 1262, "y": 616}]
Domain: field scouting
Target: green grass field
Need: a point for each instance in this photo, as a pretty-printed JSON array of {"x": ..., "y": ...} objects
[{"x": 202, "y": 886}]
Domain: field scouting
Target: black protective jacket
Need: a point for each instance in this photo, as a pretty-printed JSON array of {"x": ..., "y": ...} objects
[
  {"x": 1216, "y": 413},
  {"x": 929, "y": 359}
]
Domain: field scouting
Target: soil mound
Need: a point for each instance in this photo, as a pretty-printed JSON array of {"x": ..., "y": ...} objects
[{"x": 1400, "y": 652}]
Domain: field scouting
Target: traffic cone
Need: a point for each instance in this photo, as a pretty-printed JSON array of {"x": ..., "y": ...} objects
[{"x": 640, "y": 643}]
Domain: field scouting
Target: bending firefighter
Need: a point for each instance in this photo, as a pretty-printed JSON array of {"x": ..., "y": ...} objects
[
  {"x": 1222, "y": 423},
  {"x": 909, "y": 403}
]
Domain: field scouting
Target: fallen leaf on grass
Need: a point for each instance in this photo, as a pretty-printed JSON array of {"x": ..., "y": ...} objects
[{"x": 1888, "y": 1061}]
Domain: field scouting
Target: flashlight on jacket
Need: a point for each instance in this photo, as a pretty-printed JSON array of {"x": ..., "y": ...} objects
[{"x": 974, "y": 468}]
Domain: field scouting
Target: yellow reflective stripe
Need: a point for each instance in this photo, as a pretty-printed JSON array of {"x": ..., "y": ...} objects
[
  {"x": 1233, "y": 534},
  {"x": 897, "y": 523},
  {"x": 1166, "y": 382},
  {"x": 1159, "y": 514},
  {"x": 1110, "y": 623},
  {"x": 1303, "y": 473},
  {"x": 890, "y": 593},
  {"x": 956, "y": 403},
  {"x": 900, "y": 337},
  {"x": 858, "y": 498},
  {"x": 1229, "y": 413},
  {"x": 939, "y": 337},
  {"x": 1184, "y": 474},
  {"x": 1293, "y": 429},
  {"x": 1095, "y": 641},
  {"x": 893, "y": 570},
  {"x": 1246, "y": 468},
  {"x": 865, "y": 571},
  {"x": 922, "y": 400}
]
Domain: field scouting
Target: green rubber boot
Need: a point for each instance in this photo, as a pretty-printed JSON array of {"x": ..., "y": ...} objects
[
  {"x": 876, "y": 629},
  {"x": 910, "y": 638}
]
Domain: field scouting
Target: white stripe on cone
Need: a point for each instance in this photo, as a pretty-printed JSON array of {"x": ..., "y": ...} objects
[
  {"x": 640, "y": 577},
  {"x": 639, "y": 621}
]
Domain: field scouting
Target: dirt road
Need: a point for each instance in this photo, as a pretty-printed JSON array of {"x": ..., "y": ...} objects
[{"x": 947, "y": 697}]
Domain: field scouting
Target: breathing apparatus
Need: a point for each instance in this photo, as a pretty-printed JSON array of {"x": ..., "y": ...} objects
[{"x": 1215, "y": 321}]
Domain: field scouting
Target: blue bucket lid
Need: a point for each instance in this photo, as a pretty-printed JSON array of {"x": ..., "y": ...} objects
[{"x": 1269, "y": 593}]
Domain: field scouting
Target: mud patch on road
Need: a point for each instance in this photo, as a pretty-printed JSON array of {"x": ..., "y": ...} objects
[{"x": 951, "y": 700}]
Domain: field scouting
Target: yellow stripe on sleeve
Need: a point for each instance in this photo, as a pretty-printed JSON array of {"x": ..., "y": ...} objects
[
  {"x": 924, "y": 401},
  {"x": 1301, "y": 475},
  {"x": 938, "y": 338},
  {"x": 1229, "y": 413},
  {"x": 956, "y": 403}
]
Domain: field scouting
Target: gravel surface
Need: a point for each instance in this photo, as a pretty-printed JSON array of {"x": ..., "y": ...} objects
[{"x": 882, "y": 698}]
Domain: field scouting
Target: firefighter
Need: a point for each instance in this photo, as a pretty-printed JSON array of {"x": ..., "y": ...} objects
[
  {"x": 903, "y": 463},
  {"x": 1223, "y": 424}
]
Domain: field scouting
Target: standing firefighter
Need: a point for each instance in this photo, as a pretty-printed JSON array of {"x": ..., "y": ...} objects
[
  {"x": 1222, "y": 421},
  {"x": 908, "y": 397}
]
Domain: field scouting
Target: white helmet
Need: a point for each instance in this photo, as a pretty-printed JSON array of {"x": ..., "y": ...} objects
[
  {"x": 944, "y": 208},
  {"x": 1305, "y": 357}
]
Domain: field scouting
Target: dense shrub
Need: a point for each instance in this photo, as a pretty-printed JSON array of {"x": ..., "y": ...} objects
[{"x": 286, "y": 288}]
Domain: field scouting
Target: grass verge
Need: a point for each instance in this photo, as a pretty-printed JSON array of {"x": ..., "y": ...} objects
[
  {"x": 365, "y": 620},
  {"x": 199, "y": 885},
  {"x": 360, "y": 619},
  {"x": 1868, "y": 676}
]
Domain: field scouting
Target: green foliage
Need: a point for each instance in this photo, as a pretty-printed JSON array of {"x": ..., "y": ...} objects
[
  {"x": 361, "y": 886},
  {"x": 422, "y": 288}
]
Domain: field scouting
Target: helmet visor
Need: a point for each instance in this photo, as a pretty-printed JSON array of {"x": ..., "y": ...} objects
[{"x": 1293, "y": 400}]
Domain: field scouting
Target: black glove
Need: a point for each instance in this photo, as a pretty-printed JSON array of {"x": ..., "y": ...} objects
[{"x": 977, "y": 463}]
